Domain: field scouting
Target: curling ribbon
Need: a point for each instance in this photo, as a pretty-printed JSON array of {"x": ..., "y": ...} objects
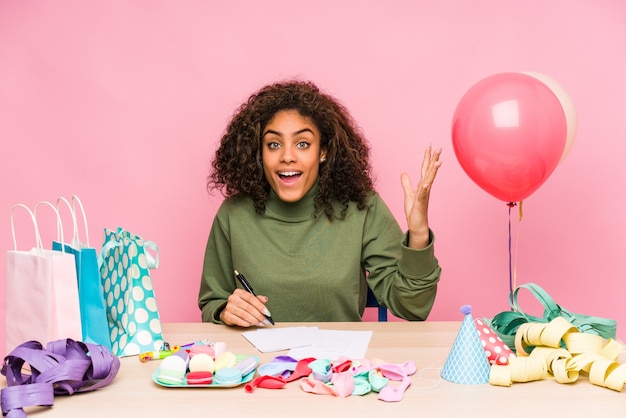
[
  {"x": 35, "y": 373},
  {"x": 507, "y": 323},
  {"x": 559, "y": 349}
]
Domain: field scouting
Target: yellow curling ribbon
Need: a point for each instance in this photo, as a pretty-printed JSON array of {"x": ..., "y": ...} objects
[{"x": 558, "y": 349}]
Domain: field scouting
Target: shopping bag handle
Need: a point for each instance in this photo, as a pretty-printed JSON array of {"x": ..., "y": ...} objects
[
  {"x": 151, "y": 247},
  {"x": 152, "y": 260},
  {"x": 60, "y": 237},
  {"x": 152, "y": 256},
  {"x": 38, "y": 242},
  {"x": 76, "y": 200},
  {"x": 72, "y": 208}
]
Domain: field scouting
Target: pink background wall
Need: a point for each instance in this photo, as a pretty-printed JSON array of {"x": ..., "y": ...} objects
[{"x": 122, "y": 102}]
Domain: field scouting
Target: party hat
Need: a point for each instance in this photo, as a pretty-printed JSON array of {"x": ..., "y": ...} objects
[
  {"x": 496, "y": 350},
  {"x": 467, "y": 362}
]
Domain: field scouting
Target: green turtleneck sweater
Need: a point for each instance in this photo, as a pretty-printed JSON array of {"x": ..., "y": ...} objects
[{"x": 314, "y": 269}]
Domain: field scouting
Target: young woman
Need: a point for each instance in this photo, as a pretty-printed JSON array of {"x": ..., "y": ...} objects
[{"x": 303, "y": 223}]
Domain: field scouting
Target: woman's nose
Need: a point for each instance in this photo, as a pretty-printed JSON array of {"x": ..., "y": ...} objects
[{"x": 288, "y": 154}]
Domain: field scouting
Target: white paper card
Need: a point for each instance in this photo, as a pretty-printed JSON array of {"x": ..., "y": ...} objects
[
  {"x": 311, "y": 342},
  {"x": 333, "y": 344},
  {"x": 278, "y": 339}
]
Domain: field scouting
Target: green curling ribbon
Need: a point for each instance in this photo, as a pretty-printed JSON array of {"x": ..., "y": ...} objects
[{"x": 505, "y": 324}]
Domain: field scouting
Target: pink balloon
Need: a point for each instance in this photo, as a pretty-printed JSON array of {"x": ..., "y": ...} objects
[{"x": 509, "y": 133}]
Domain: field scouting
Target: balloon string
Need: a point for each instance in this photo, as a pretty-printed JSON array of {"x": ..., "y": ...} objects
[
  {"x": 517, "y": 244},
  {"x": 512, "y": 267},
  {"x": 510, "y": 205}
]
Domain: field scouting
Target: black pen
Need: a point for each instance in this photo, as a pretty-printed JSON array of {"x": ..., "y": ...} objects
[{"x": 247, "y": 286}]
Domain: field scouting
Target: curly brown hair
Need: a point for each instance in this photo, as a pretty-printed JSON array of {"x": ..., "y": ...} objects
[{"x": 346, "y": 176}]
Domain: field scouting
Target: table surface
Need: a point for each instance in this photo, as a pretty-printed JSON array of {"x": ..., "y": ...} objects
[{"x": 134, "y": 394}]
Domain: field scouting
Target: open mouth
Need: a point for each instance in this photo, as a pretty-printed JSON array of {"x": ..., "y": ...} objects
[{"x": 289, "y": 177}]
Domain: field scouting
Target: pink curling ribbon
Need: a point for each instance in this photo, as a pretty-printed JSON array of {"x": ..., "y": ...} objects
[{"x": 65, "y": 367}]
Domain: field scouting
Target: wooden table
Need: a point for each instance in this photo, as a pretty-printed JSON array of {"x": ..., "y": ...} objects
[{"x": 134, "y": 394}]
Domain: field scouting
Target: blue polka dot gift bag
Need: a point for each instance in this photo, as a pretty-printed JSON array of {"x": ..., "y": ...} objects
[{"x": 132, "y": 313}]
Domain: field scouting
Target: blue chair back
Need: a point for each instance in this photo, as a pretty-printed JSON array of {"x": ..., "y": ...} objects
[{"x": 372, "y": 302}]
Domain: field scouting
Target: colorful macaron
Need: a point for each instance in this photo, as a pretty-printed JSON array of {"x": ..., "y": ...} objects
[
  {"x": 172, "y": 370},
  {"x": 225, "y": 360},
  {"x": 247, "y": 365},
  {"x": 199, "y": 378},
  {"x": 201, "y": 362},
  {"x": 201, "y": 348},
  {"x": 227, "y": 376}
]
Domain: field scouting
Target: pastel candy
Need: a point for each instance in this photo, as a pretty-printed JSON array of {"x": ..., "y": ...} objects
[
  {"x": 182, "y": 354},
  {"x": 172, "y": 370},
  {"x": 227, "y": 376},
  {"x": 201, "y": 348},
  {"x": 199, "y": 378},
  {"x": 246, "y": 365},
  {"x": 225, "y": 360},
  {"x": 219, "y": 348},
  {"x": 201, "y": 362}
]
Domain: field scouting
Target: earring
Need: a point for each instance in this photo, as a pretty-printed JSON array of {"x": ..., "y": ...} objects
[{"x": 322, "y": 159}]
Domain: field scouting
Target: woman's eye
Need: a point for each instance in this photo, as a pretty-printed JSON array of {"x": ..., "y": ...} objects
[
  {"x": 303, "y": 144},
  {"x": 273, "y": 145}
]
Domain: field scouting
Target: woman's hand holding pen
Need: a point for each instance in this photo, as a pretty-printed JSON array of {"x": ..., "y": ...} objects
[
  {"x": 244, "y": 309},
  {"x": 416, "y": 200}
]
